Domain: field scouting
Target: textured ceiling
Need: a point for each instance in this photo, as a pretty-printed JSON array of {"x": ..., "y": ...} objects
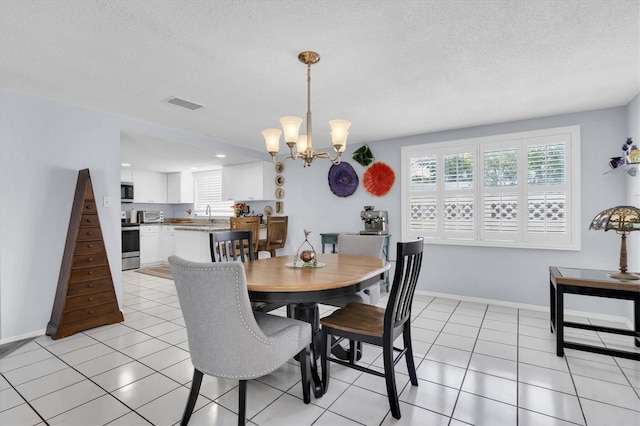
[{"x": 393, "y": 68}]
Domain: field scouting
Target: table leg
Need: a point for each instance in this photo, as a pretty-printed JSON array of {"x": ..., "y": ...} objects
[
  {"x": 636, "y": 316},
  {"x": 552, "y": 305},
  {"x": 309, "y": 312},
  {"x": 559, "y": 293}
]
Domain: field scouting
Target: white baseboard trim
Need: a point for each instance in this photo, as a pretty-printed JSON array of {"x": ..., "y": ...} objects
[
  {"x": 604, "y": 317},
  {"x": 29, "y": 335}
]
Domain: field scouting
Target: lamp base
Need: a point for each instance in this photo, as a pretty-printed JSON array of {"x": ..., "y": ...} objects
[{"x": 624, "y": 276}]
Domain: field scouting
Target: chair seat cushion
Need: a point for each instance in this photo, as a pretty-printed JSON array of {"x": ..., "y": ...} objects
[
  {"x": 274, "y": 326},
  {"x": 357, "y": 318}
]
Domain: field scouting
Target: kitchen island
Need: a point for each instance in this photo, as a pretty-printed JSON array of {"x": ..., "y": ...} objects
[{"x": 192, "y": 241}]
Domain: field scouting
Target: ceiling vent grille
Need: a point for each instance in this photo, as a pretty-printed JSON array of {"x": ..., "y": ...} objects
[{"x": 183, "y": 103}]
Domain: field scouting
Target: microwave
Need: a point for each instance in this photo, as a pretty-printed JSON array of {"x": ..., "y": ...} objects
[{"x": 126, "y": 192}]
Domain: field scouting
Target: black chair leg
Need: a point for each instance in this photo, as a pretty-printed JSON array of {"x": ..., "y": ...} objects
[
  {"x": 306, "y": 374},
  {"x": 390, "y": 378},
  {"x": 242, "y": 403},
  {"x": 193, "y": 396},
  {"x": 408, "y": 355}
]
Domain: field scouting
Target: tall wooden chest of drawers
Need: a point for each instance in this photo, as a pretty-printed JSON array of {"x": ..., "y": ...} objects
[{"x": 85, "y": 297}]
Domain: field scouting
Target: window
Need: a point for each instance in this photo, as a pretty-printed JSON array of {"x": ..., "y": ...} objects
[
  {"x": 515, "y": 190},
  {"x": 208, "y": 192}
]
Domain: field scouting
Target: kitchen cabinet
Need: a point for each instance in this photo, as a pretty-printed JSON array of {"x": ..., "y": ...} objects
[
  {"x": 180, "y": 188},
  {"x": 250, "y": 181},
  {"x": 193, "y": 245},
  {"x": 167, "y": 242},
  {"x": 126, "y": 175},
  {"x": 149, "y": 187},
  {"x": 150, "y": 249}
]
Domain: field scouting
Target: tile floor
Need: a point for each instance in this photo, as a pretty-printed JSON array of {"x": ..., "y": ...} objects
[{"x": 477, "y": 364}]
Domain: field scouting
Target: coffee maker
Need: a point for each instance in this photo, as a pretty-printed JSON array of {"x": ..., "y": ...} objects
[{"x": 375, "y": 221}]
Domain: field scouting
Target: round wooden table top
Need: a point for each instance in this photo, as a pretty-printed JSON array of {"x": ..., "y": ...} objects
[{"x": 342, "y": 274}]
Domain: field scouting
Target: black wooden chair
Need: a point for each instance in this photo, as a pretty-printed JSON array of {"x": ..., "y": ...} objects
[
  {"x": 377, "y": 326},
  {"x": 229, "y": 245}
]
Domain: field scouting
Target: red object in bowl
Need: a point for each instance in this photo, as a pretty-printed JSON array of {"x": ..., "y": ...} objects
[{"x": 378, "y": 179}]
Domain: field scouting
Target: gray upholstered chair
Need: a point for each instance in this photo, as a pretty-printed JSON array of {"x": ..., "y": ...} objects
[
  {"x": 226, "y": 338},
  {"x": 363, "y": 245}
]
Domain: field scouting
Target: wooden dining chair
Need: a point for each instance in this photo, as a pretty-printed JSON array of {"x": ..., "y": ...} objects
[
  {"x": 361, "y": 245},
  {"x": 226, "y": 338},
  {"x": 229, "y": 245},
  {"x": 276, "y": 234},
  {"x": 380, "y": 326},
  {"x": 247, "y": 223}
]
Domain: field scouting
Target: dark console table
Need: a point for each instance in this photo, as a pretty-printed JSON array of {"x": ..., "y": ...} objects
[{"x": 596, "y": 283}]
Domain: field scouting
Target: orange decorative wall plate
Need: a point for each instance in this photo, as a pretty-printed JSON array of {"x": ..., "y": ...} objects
[{"x": 378, "y": 179}]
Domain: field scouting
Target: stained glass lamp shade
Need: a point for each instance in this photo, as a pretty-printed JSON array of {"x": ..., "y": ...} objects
[{"x": 622, "y": 219}]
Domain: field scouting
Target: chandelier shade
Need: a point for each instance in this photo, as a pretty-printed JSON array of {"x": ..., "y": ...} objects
[{"x": 304, "y": 143}]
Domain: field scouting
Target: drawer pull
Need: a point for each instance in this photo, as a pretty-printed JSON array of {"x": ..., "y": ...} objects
[
  {"x": 92, "y": 285},
  {"x": 89, "y": 220},
  {"x": 90, "y": 259},
  {"x": 89, "y": 233},
  {"x": 90, "y": 299},
  {"x": 90, "y": 272},
  {"x": 90, "y": 245},
  {"x": 91, "y": 312}
]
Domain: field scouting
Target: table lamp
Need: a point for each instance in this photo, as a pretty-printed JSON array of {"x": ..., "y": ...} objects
[{"x": 622, "y": 219}]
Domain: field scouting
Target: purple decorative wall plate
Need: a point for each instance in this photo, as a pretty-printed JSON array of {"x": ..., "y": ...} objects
[{"x": 343, "y": 180}]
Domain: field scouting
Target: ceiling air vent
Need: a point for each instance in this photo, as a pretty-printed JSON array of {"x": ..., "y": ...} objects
[{"x": 184, "y": 103}]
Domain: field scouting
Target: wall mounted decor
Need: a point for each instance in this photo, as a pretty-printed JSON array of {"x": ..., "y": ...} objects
[
  {"x": 343, "y": 180},
  {"x": 363, "y": 155},
  {"x": 279, "y": 207},
  {"x": 378, "y": 179},
  {"x": 279, "y": 180}
]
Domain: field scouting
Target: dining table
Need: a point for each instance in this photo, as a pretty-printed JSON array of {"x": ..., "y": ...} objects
[{"x": 283, "y": 281}]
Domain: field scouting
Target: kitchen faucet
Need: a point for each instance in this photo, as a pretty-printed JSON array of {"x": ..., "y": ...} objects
[{"x": 208, "y": 211}]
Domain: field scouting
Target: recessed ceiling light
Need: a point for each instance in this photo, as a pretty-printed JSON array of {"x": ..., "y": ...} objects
[
  {"x": 193, "y": 168},
  {"x": 125, "y": 165},
  {"x": 221, "y": 156}
]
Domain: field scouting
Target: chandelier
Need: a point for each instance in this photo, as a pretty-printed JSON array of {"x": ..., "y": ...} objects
[{"x": 304, "y": 143}]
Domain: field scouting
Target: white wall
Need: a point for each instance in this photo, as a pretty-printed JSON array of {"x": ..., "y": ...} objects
[
  {"x": 512, "y": 275},
  {"x": 44, "y": 143},
  {"x": 633, "y": 187}
]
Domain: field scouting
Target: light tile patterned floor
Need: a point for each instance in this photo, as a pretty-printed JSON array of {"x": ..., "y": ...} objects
[{"x": 477, "y": 364}]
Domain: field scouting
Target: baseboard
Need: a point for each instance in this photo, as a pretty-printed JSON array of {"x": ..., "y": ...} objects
[
  {"x": 29, "y": 335},
  {"x": 604, "y": 317}
]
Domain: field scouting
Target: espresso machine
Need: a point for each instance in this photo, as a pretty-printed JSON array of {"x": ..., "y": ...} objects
[{"x": 375, "y": 221}]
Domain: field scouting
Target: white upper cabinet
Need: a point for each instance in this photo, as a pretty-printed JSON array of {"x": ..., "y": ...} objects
[
  {"x": 149, "y": 187},
  {"x": 180, "y": 188},
  {"x": 126, "y": 175},
  {"x": 250, "y": 181}
]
